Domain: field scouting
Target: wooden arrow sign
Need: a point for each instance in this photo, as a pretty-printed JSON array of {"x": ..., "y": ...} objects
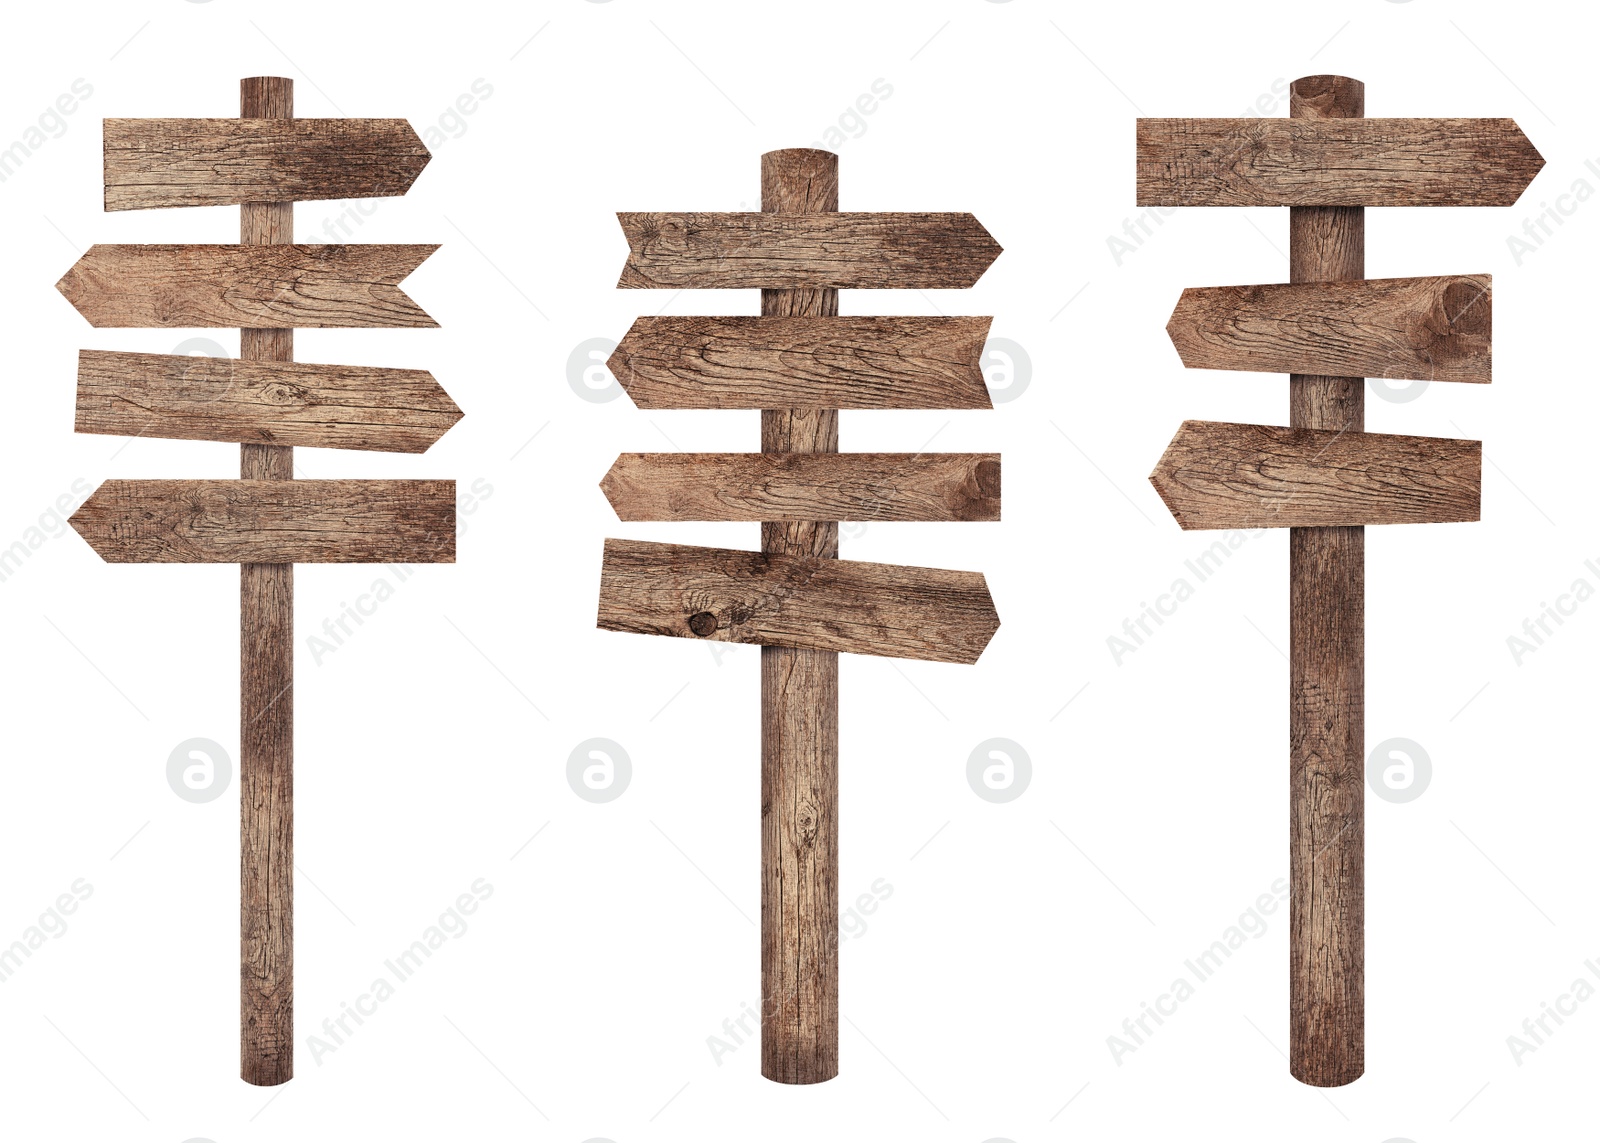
[
  {"x": 270, "y": 521},
  {"x": 800, "y": 363},
  {"x": 206, "y": 162},
  {"x": 804, "y": 363},
  {"x": 256, "y": 402},
  {"x": 804, "y": 486},
  {"x": 1261, "y": 476},
  {"x": 795, "y": 601},
  {"x": 251, "y": 287},
  {"x": 1323, "y": 477},
  {"x": 1421, "y": 329},
  {"x": 1333, "y": 162},
  {"x": 773, "y": 250}
]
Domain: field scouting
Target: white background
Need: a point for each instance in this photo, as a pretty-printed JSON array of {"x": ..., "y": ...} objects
[{"x": 433, "y": 744}]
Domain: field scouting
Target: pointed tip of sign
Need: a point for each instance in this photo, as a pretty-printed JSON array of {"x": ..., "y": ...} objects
[
  {"x": 619, "y": 363},
  {"x": 1161, "y": 478},
  {"x": 992, "y": 627},
  {"x": 611, "y": 487},
  {"x": 84, "y": 521}
]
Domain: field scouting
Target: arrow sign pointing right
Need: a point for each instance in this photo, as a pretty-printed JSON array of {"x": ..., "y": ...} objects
[
  {"x": 206, "y": 162},
  {"x": 260, "y": 402},
  {"x": 1333, "y": 162},
  {"x": 795, "y": 601},
  {"x": 770, "y": 250},
  {"x": 1263, "y": 476}
]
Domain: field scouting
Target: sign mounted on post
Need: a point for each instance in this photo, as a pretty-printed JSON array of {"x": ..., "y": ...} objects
[
  {"x": 799, "y": 362},
  {"x": 266, "y": 521},
  {"x": 1323, "y": 477}
]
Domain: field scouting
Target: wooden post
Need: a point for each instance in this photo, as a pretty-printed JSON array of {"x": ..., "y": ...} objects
[
  {"x": 1326, "y": 712},
  {"x": 800, "y": 720},
  {"x": 266, "y": 700}
]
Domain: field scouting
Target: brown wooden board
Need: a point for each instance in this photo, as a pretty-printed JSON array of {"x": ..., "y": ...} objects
[
  {"x": 804, "y": 362},
  {"x": 256, "y": 402},
  {"x": 1421, "y": 329},
  {"x": 271, "y": 521},
  {"x": 773, "y": 250},
  {"x": 207, "y": 162},
  {"x": 804, "y": 486},
  {"x": 248, "y": 286},
  {"x": 1333, "y": 162},
  {"x": 795, "y": 601},
  {"x": 1262, "y": 476}
]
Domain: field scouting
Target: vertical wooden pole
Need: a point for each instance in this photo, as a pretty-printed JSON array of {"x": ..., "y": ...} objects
[
  {"x": 266, "y": 701},
  {"x": 800, "y": 721},
  {"x": 1327, "y": 1008}
]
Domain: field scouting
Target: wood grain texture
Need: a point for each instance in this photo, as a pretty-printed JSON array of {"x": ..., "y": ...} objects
[
  {"x": 1333, "y": 162},
  {"x": 792, "y": 250},
  {"x": 271, "y": 521},
  {"x": 266, "y": 697},
  {"x": 1217, "y": 475},
  {"x": 795, "y": 601},
  {"x": 1422, "y": 329},
  {"x": 209, "y": 162},
  {"x": 799, "y": 709},
  {"x": 1327, "y": 672},
  {"x": 804, "y": 486},
  {"x": 248, "y": 286},
  {"x": 261, "y": 402},
  {"x": 804, "y": 362}
]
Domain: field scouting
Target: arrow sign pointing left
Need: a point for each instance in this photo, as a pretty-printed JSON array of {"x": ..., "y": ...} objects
[
  {"x": 207, "y": 162},
  {"x": 1262, "y": 476},
  {"x": 270, "y": 521},
  {"x": 251, "y": 287}
]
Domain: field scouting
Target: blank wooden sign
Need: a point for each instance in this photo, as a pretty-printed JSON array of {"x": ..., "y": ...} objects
[
  {"x": 266, "y": 521},
  {"x": 800, "y": 362},
  {"x": 1321, "y": 476}
]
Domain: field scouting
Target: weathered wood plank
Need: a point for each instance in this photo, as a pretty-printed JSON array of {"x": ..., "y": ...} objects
[
  {"x": 257, "y": 402},
  {"x": 1262, "y": 476},
  {"x": 804, "y": 362},
  {"x": 804, "y": 486},
  {"x": 1419, "y": 329},
  {"x": 249, "y": 286},
  {"x": 805, "y": 602},
  {"x": 271, "y": 521},
  {"x": 209, "y": 162},
  {"x": 1333, "y": 162},
  {"x": 791, "y": 250}
]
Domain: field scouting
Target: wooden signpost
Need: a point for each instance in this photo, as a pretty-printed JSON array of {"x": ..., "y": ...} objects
[
  {"x": 266, "y": 521},
  {"x": 799, "y": 362},
  {"x": 1323, "y": 477}
]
